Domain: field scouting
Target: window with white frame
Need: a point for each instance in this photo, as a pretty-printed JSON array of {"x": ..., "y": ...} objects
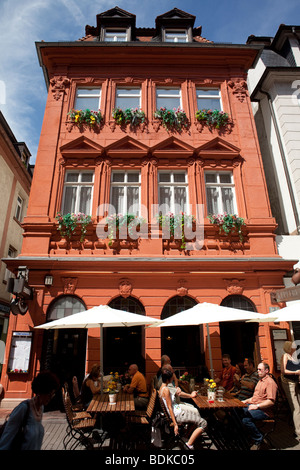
[
  {"x": 128, "y": 98},
  {"x": 209, "y": 98},
  {"x": 78, "y": 192},
  {"x": 115, "y": 35},
  {"x": 220, "y": 193},
  {"x": 173, "y": 191},
  {"x": 176, "y": 35},
  {"x": 19, "y": 208},
  {"x": 125, "y": 192},
  {"x": 88, "y": 98},
  {"x": 169, "y": 98}
]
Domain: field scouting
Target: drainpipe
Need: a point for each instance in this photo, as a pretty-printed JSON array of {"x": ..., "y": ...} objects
[{"x": 283, "y": 159}]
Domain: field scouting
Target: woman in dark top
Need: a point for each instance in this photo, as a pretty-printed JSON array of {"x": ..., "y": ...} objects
[
  {"x": 290, "y": 374},
  {"x": 91, "y": 385}
]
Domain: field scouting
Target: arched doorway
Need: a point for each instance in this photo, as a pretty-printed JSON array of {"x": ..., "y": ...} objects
[
  {"x": 182, "y": 344},
  {"x": 124, "y": 345},
  {"x": 64, "y": 351},
  {"x": 239, "y": 339}
]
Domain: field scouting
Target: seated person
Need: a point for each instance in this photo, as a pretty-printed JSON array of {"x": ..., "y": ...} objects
[
  {"x": 180, "y": 413},
  {"x": 249, "y": 380},
  {"x": 227, "y": 374},
  {"x": 259, "y": 406},
  {"x": 239, "y": 373},
  {"x": 165, "y": 360},
  {"x": 91, "y": 385},
  {"x": 138, "y": 387}
]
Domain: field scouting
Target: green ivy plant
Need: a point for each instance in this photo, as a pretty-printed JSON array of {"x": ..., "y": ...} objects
[
  {"x": 213, "y": 118},
  {"x": 86, "y": 116},
  {"x": 175, "y": 223},
  {"x": 116, "y": 221},
  {"x": 172, "y": 119},
  {"x": 228, "y": 223},
  {"x": 132, "y": 116},
  {"x": 68, "y": 223}
]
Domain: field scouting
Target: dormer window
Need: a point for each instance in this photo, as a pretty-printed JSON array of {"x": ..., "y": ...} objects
[
  {"x": 115, "y": 35},
  {"x": 176, "y": 35}
]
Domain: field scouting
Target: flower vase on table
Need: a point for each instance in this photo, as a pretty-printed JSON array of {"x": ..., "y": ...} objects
[
  {"x": 112, "y": 398},
  {"x": 211, "y": 390}
]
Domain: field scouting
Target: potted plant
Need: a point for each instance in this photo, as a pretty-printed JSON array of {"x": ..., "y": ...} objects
[
  {"x": 115, "y": 223},
  {"x": 68, "y": 223},
  {"x": 228, "y": 223},
  {"x": 213, "y": 118},
  {"x": 132, "y": 116},
  {"x": 112, "y": 387},
  {"x": 172, "y": 119},
  {"x": 79, "y": 116},
  {"x": 211, "y": 390},
  {"x": 173, "y": 225}
]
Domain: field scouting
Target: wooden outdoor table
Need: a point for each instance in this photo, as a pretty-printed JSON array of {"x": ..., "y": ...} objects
[
  {"x": 229, "y": 402},
  {"x": 224, "y": 426},
  {"x": 100, "y": 403}
]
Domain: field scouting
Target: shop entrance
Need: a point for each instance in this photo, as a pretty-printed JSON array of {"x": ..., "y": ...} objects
[
  {"x": 125, "y": 345},
  {"x": 183, "y": 344},
  {"x": 64, "y": 350},
  {"x": 239, "y": 339}
]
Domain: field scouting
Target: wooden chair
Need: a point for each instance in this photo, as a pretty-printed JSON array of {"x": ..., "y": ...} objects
[
  {"x": 80, "y": 426},
  {"x": 171, "y": 440}
]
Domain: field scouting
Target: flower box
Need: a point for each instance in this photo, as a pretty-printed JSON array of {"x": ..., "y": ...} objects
[
  {"x": 214, "y": 119},
  {"x": 91, "y": 118},
  {"x": 172, "y": 119}
]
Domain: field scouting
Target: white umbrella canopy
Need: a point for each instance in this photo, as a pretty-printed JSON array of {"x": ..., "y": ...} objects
[
  {"x": 288, "y": 314},
  {"x": 101, "y": 316},
  {"x": 205, "y": 313}
]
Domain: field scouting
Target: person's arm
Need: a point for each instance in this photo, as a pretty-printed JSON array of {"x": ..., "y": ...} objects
[
  {"x": 129, "y": 388},
  {"x": 167, "y": 397},
  {"x": 175, "y": 380},
  {"x": 93, "y": 387},
  {"x": 263, "y": 405},
  {"x": 182, "y": 394},
  {"x": 287, "y": 371},
  {"x": 13, "y": 425}
]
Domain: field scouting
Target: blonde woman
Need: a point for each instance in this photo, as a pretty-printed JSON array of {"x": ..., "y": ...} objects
[{"x": 290, "y": 373}]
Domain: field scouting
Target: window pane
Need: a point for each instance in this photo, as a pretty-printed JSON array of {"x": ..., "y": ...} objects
[
  {"x": 209, "y": 103},
  {"x": 207, "y": 91},
  {"x": 164, "y": 177},
  {"x": 88, "y": 98},
  {"x": 180, "y": 198},
  {"x": 176, "y": 36},
  {"x": 118, "y": 177},
  {"x": 87, "y": 177},
  {"x": 69, "y": 200},
  {"x": 179, "y": 177},
  {"x": 133, "y": 177},
  {"x": 168, "y": 98},
  {"x": 72, "y": 177},
  {"x": 210, "y": 177},
  {"x": 225, "y": 178},
  {"x": 128, "y": 98},
  {"x": 133, "y": 200},
  {"x": 85, "y": 200},
  {"x": 165, "y": 197},
  {"x": 212, "y": 200},
  {"x": 117, "y": 197},
  {"x": 227, "y": 200},
  {"x": 116, "y": 35}
]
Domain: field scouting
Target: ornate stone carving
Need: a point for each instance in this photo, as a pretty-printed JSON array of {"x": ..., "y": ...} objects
[
  {"x": 70, "y": 284},
  {"x": 235, "y": 286},
  {"x": 182, "y": 290},
  {"x": 239, "y": 88},
  {"x": 125, "y": 288},
  {"x": 59, "y": 85}
]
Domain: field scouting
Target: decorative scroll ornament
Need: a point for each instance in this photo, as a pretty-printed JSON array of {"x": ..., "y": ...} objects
[
  {"x": 239, "y": 88},
  {"x": 59, "y": 85},
  {"x": 125, "y": 288},
  {"x": 235, "y": 286},
  {"x": 182, "y": 289},
  {"x": 70, "y": 284}
]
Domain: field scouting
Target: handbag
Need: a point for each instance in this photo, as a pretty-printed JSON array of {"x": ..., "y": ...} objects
[{"x": 16, "y": 445}]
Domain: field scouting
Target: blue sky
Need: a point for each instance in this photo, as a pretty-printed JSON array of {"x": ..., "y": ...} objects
[{"x": 23, "y": 22}]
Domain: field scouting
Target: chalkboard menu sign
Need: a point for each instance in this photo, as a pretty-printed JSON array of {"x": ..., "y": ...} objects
[{"x": 19, "y": 356}]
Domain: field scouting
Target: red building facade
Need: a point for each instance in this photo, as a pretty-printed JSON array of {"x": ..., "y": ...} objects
[{"x": 183, "y": 160}]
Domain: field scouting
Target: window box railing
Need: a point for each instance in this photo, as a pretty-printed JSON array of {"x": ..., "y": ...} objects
[
  {"x": 133, "y": 117},
  {"x": 123, "y": 227},
  {"x": 86, "y": 116},
  {"x": 229, "y": 224},
  {"x": 68, "y": 223},
  {"x": 173, "y": 225}
]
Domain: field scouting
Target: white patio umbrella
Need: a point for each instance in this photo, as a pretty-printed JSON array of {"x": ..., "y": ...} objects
[
  {"x": 288, "y": 314},
  {"x": 205, "y": 313},
  {"x": 101, "y": 317}
]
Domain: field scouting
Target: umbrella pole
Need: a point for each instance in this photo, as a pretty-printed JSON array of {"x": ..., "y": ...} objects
[
  {"x": 101, "y": 357},
  {"x": 210, "y": 355}
]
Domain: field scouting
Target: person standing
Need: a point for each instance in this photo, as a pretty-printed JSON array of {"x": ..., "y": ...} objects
[
  {"x": 290, "y": 375},
  {"x": 27, "y": 416}
]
